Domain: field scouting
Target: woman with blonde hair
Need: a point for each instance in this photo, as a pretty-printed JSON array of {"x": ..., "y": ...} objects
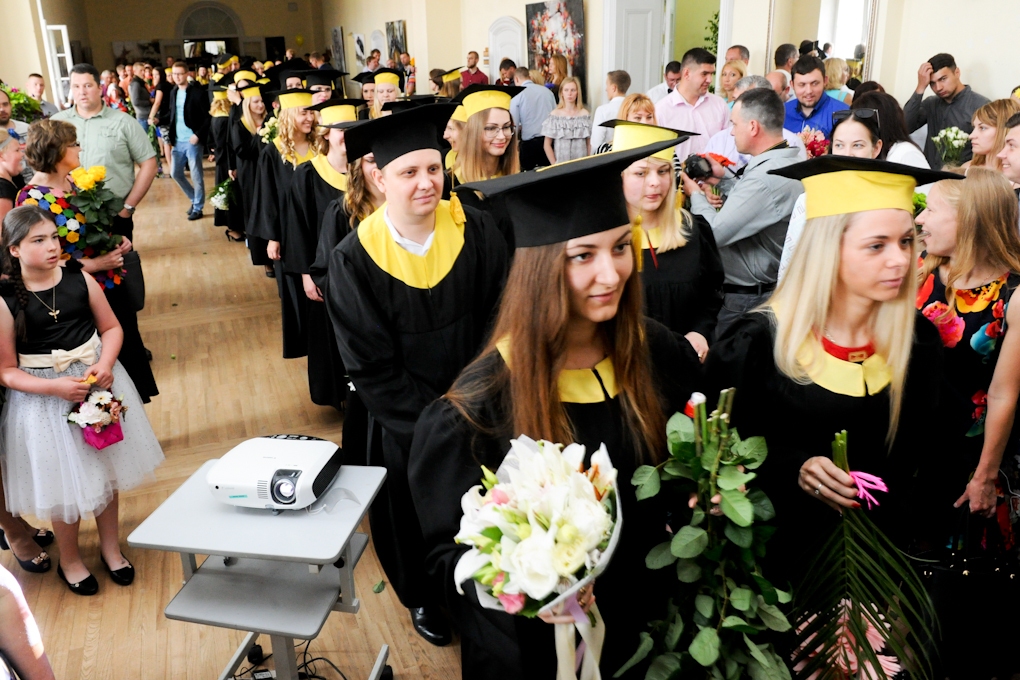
[
  {"x": 387, "y": 89},
  {"x": 567, "y": 129},
  {"x": 297, "y": 141},
  {"x": 681, "y": 269},
  {"x": 452, "y": 133},
  {"x": 989, "y": 134},
  {"x": 840, "y": 345},
  {"x": 837, "y": 72},
  {"x": 245, "y": 145},
  {"x": 732, "y": 71},
  {"x": 637, "y": 108},
  {"x": 970, "y": 271},
  {"x": 219, "y": 133}
]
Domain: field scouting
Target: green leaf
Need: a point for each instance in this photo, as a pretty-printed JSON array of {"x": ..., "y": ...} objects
[
  {"x": 773, "y": 618},
  {"x": 689, "y": 542},
  {"x": 767, "y": 590},
  {"x": 379, "y": 587},
  {"x": 742, "y": 536},
  {"x": 740, "y": 598},
  {"x": 698, "y": 516},
  {"x": 646, "y": 479},
  {"x": 705, "y": 647},
  {"x": 756, "y": 653},
  {"x": 674, "y": 632},
  {"x": 738, "y": 624},
  {"x": 763, "y": 509},
  {"x": 659, "y": 556},
  {"x": 732, "y": 478},
  {"x": 736, "y": 506},
  {"x": 705, "y": 605},
  {"x": 688, "y": 571},
  {"x": 708, "y": 455},
  {"x": 678, "y": 469},
  {"x": 682, "y": 426},
  {"x": 664, "y": 667},
  {"x": 784, "y": 597},
  {"x": 754, "y": 450},
  {"x": 643, "y": 649}
]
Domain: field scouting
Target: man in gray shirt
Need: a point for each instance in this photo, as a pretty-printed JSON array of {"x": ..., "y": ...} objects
[
  {"x": 750, "y": 227},
  {"x": 139, "y": 95},
  {"x": 529, "y": 109},
  {"x": 953, "y": 106}
]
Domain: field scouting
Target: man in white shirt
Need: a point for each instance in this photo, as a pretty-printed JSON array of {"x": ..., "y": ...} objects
[
  {"x": 690, "y": 106},
  {"x": 670, "y": 77},
  {"x": 617, "y": 84}
]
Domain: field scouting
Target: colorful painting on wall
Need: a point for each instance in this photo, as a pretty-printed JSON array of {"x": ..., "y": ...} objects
[
  {"x": 396, "y": 39},
  {"x": 557, "y": 27}
]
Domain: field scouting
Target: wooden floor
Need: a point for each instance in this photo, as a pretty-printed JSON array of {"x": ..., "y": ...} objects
[{"x": 212, "y": 322}]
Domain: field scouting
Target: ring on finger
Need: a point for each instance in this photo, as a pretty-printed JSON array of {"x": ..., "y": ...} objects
[{"x": 818, "y": 489}]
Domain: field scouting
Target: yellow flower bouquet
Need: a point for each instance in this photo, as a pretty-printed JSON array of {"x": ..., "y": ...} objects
[{"x": 98, "y": 205}]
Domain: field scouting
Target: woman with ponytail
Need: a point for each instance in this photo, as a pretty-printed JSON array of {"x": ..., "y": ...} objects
[{"x": 58, "y": 338}]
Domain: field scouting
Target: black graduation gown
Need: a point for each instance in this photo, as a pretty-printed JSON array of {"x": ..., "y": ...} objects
[
  {"x": 272, "y": 192},
  {"x": 800, "y": 422},
  {"x": 404, "y": 333},
  {"x": 445, "y": 462},
  {"x": 245, "y": 148},
  {"x": 683, "y": 286},
  {"x": 315, "y": 186},
  {"x": 494, "y": 205},
  {"x": 219, "y": 130}
]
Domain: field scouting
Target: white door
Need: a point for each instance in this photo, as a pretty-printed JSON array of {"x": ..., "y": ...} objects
[
  {"x": 506, "y": 41},
  {"x": 638, "y": 46}
]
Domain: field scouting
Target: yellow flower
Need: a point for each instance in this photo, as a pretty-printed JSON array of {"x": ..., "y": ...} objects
[
  {"x": 54, "y": 208},
  {"x": 97, "y": 172},
  {"x": 72, "y": 237},
  {"x": 30, "y": 201},
  {"x": 85, "y": 183}
]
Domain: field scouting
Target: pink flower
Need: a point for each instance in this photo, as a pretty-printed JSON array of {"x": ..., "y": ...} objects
[
  {"x": 950, "y": 325},
  {"x": 843, "y": 657},
  {"x": 512, "y": 603}
]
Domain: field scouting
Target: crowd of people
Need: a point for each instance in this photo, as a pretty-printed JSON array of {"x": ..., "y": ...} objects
[{"x": 785, "y": 237}]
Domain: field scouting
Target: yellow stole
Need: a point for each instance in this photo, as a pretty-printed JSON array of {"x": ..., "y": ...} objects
[
  {"x": 844, "y": 377},
  {"x": 328, "y": 173},
  {"x": 294, "y": 160},
  {"x": 578, "y": 385}
]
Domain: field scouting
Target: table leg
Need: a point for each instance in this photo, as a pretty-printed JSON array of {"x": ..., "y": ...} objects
[
  {"x": 239, "y": 656},
  {"x": 189, "y": 565},
  {"x": 380, "y": 663},
  {"x": 284, "y": 657}
]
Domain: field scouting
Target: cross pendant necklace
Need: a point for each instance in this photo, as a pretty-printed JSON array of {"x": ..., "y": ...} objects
[{"x": 53, "y": 310}]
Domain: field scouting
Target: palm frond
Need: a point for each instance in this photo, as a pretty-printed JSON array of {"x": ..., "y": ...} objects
[{"x": 861, "y": 586}]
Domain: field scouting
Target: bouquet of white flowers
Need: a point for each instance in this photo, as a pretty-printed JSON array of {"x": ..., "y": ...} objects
[
  {"x": 950, "y": 143},
  {"x": 222, "y": 195},
  {"x": 268, "y": 131},
  {"x": 543, "y": 528},
  {"x": 99, "y": 418}
]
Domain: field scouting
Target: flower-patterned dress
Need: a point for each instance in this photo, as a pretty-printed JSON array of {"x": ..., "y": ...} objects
[{"x": 972, "y": 336}]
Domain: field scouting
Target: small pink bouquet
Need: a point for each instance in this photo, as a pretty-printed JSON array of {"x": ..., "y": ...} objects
[
  {"x": 99, "y": 418},
  {"x": 814, "y": 142}
]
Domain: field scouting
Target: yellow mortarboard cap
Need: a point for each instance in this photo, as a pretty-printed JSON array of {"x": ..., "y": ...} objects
[
  {"x": 451, "y": 76},
  {"x": 252, "y": 91},
  {"x": 478, "y": 98},
  {"x": 245, "y": 75},
  {"x": 460, "y": 115},
  {"x": 629, "y": 135},
  {"x": 337, "y": 112},
  {"x": 386, "y": 76},
  {"x": 294, "y": 99}
]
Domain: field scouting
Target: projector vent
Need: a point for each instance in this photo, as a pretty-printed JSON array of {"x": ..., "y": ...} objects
[{"x": 263, "y": 490}]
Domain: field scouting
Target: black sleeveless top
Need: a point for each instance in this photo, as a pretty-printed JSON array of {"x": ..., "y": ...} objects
[{"x": 74, "y": 325}]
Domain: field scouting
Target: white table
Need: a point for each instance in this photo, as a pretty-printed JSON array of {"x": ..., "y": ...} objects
[{"x": 278, "y": 575}]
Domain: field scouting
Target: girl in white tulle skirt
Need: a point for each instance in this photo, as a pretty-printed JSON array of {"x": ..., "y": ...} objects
[{"x": 59, "y": 339}]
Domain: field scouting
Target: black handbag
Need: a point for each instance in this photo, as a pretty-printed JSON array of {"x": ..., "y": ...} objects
[{"x": 133, "y": 281}]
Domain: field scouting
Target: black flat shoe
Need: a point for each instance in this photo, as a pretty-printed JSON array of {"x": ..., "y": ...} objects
[
  {"x": 88, "y": 586},
  {"x": 43, "y": 537},
  {"x": 231, "y": 238},
  {"x": 197, "y": 215},
  {"x": 270, "y": 273},
  {"x": 123, "y": 576},
  {"x": 431, "y": 625}
]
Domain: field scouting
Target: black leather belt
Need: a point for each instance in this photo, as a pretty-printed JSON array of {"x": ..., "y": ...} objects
[{"x": 757, "y": 289}]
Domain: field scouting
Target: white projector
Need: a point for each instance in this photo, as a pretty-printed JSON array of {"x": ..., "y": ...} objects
[{"x": 278, "y": 472}]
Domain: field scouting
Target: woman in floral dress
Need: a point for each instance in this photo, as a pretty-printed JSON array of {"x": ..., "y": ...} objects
[{"x": 967, "y": 278}]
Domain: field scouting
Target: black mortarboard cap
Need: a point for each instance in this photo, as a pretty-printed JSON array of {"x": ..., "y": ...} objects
[
  {"x": 405, "y": 103},
  {"x": 390, "y": 137},
  {"x": 363, "y": 77},
  {"x": 320, "y": 76},
  {"x": 338, "y": 112},
  {"x": 567, "y": 200},
  {"x": 387, "y": 74}
]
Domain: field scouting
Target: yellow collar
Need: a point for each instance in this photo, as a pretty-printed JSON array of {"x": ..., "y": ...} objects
[
  {"x": 295, "y": 159},
  {"x": 451, "y": 158},
  {"x": 844, "y": 377},
  {"x": 653, "y": 239},
  {"x": 578, "y": 385},
  {"x": 416, "y": 271},
  {"x": 328, "y": 173},
  {"x": 220, "y": 114}
]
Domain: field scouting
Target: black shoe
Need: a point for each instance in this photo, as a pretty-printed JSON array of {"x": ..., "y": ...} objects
[
  {"x": 88, "y": 586},
  {"x": 231, "y": 238},
  {"x": 123, "y": 576},
  {"x": 195, "y": 215},
  {"x": 431, "y": 625},
  {"x": 39, "y": 564},
  {"x": 42, "y": 538},
  {"x": 271, "y": 273},
  {"x": 148, "y": 353},
  {"x": 190, "y": 211}
]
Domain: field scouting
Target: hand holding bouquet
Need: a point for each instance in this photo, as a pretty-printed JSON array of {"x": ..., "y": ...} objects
[
  {"x": 543, "y": 528},
  {"x": 98, "y": 205},
  {"x": 269, "y": 130},
  {"x": 223, "y": 195},
  {"x": 99, "y": 418},
  {"x": 950, "y": 143}
]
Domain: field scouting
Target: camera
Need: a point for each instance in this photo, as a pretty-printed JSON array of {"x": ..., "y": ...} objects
[{"x": 697, "y": 167}]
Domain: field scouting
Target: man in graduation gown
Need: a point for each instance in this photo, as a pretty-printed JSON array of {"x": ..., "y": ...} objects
[{"x": 411, "y": 294}]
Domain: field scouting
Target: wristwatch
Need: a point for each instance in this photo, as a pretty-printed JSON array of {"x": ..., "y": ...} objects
[{"x": 129, "y": 208}]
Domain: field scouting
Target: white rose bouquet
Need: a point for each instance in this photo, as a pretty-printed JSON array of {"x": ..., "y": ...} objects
[
  {"x": 950, "y": 143},
  {"x": 99, "y": 418},
  {"x": 223, "y": 195},
  {"x": 541, "y": 528},
  {"x": 269, "y": 130}
]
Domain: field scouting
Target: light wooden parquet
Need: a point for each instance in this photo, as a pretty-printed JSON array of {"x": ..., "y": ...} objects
[{"x": 212, "y": 321}]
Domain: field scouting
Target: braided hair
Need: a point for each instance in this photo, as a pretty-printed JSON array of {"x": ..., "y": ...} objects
[{"x": 17, "y": 223}]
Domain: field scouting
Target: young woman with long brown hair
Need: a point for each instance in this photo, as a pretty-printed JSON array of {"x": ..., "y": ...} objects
[
  {"x": 571, "y": 359},
  {"x": 989, "y": 134}
]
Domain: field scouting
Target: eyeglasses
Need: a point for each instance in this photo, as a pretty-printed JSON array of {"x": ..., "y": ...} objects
[
  {"x": 14, "y": 134},
  {"x": 859, "y": 114},
  {"x": 492, "y": 130}
]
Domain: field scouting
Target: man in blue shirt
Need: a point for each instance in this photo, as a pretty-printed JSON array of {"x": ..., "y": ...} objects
[
  {"x": 812, "y": 108},
  {"x": 529, "y": 109},
  {"x": 189, "y": 127}
]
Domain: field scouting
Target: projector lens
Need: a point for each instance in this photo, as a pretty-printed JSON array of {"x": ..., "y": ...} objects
[{"x": 284, "y": 489}]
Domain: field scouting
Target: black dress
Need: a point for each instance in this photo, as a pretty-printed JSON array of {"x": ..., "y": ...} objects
[
  {"x": 9, "y": 189},
  {"x": 495, "y": 206},
  {"x": 800, "y": 422},
  {"x": 219, "y": 134},
  {"x": 316, "y": 184},
  {"x": 683, "y": 286},
  {"x": 272, "y": 192},
  {"x": 245, "y": 146},
  {"x": 445, "y": 463},
  {"x": 406, "y": 325}
]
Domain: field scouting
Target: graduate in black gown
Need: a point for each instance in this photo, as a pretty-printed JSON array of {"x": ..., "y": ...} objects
[
  {"x": 219, "y": 133},
  {"x": 367, "y": 82},
  {"x": 582, "y": 365},
  {"x": 246, "y": 144},
  {"x": 839, "y": 346},
  {"x": 682, "y": 273},
  {"x": 342, "y": 216},
  {"x": 411, "y": 293},
  {"x": 316, "y": 184},
  {"x": 296, "y": 142}
]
